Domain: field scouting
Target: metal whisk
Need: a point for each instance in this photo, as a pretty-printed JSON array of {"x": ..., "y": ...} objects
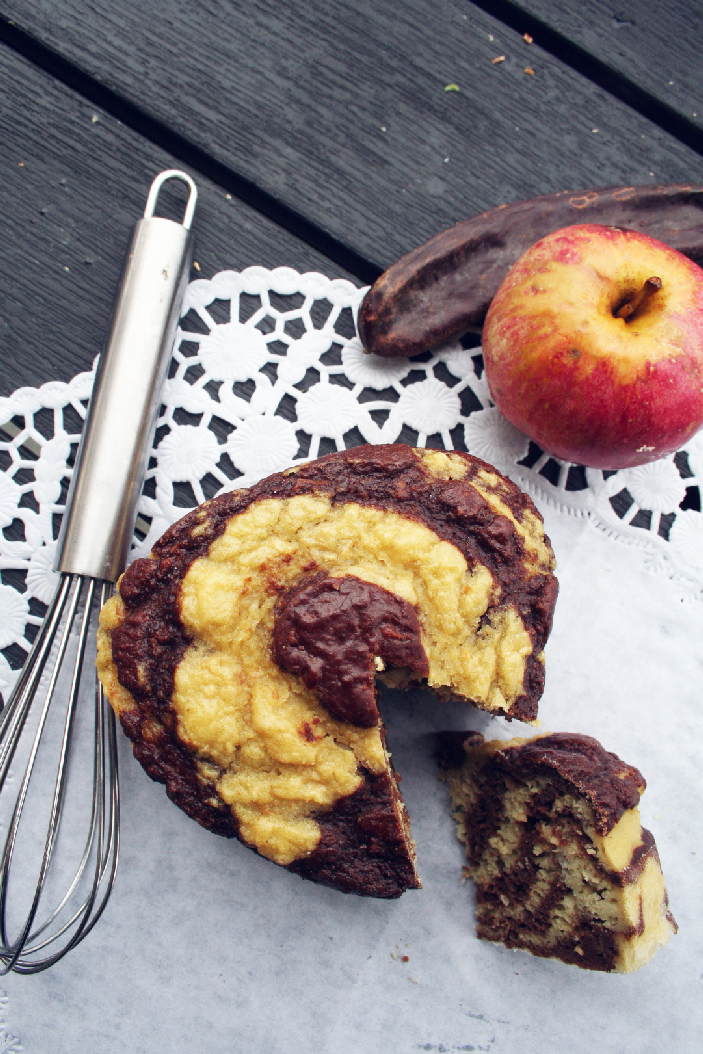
[{"x": 95, "y": 537}]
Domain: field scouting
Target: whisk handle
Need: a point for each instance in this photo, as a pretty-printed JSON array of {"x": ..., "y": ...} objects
[{"x": 107, "y": 480}]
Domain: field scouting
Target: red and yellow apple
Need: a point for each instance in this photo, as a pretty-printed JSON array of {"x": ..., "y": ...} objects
[{"x": 593, "y": 346}]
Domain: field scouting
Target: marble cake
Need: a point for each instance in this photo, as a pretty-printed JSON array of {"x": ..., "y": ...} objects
[
  {"x": 555, "y": 847},
  {"x": 241, "y": 657}
]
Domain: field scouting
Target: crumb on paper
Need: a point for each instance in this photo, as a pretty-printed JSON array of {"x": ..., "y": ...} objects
[
  {"x": 394, "y": 956},
  {"x": 465, "y": 873},
  {"x": 405, "y": 958},
  {"x": 527, "y": 38},
  {"x": 413, "y": 980},
  {"x": 497, "y": 59},
  {"x": 528, "y": 69},
  {"x": 452, "y": 87}
]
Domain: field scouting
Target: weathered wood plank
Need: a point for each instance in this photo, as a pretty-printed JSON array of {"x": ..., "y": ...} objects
[
  {"x": 73, "y": 181},
  {"x": 340, "y": 109},
  {"x": 658, "y": 46}
]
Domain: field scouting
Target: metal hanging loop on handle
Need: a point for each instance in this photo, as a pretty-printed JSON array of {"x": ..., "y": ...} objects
[
  {"x": 172, "y": 173},
  {"x": 97, "y": 527}
]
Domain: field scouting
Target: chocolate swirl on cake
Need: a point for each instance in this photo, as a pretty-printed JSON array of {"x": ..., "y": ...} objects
[
  {"x": 242, "y": 656},
  {"x": 337, "y": 633},
  {"x": 561, "y": 863}
]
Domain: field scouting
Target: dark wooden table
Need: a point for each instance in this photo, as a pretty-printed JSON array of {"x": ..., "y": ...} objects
[{"x": 322, "y": 136}]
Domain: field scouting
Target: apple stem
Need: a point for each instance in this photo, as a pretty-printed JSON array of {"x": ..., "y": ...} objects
[{"x": 628, "y": 309}]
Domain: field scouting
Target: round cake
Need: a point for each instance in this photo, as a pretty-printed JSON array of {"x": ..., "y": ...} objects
[{"x": 241, "y": 657}]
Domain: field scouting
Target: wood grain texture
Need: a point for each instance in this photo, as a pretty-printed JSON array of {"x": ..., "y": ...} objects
[
  {"x": 340, "y": 111},
  {"x": 73, "y": 182},
  {"x": 658, "y": 45}
]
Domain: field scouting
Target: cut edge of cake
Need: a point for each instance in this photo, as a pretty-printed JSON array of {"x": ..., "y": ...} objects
[{"x": 555, "y": 847}]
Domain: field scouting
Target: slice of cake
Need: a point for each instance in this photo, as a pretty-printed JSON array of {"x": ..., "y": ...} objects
[
  {"x": 242, "y": 657},
  {"x": 561, "y": 863}
]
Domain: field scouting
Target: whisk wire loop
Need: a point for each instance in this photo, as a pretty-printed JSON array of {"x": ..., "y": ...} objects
[
  {"x": 15, "y": 712},
  {"x": 106, "y": 854},
  {"x": 102, "y": 843}
]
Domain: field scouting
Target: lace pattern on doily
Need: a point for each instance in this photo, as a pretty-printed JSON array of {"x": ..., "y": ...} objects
[{"x": 267, "y": 371}]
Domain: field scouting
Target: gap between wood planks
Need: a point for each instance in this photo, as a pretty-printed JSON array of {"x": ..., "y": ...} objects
[
  {"x": 598, "y": 72},
  {"x": 245, "y": 190},
  {"x": 187, "y": 153}
]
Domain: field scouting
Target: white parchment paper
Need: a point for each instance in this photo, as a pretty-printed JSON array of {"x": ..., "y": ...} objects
[{"x": 206, "y": 947}]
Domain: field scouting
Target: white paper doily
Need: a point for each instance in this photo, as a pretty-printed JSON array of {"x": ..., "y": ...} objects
[{"x": 267, "y": 370}]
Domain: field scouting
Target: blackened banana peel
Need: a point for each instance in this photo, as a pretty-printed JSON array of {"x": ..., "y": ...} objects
[{"x": 443, "y": 288}]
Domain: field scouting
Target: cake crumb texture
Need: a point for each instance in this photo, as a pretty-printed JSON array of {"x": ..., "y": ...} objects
[{"x": 555, "y": 847}]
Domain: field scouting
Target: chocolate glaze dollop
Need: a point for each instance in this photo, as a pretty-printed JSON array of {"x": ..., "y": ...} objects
[{"x": 329, "y": 631}]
